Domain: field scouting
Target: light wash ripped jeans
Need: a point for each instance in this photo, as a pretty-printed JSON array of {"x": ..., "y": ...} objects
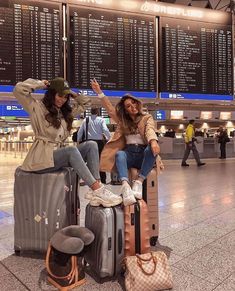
[
  {"x": 84, "y": 159},
  {"x": 134, "y": 156}
]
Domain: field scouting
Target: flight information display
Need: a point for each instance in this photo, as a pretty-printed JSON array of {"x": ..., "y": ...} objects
[
  {"x": 30, "y": 40},
  {"x": 196, "y": 57},
  {"x": 116, "y": 48}
]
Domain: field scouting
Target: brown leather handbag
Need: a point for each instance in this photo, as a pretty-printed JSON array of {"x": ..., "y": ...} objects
[
  {"x": 137, "y": 233},
  {"x": 65, "y": 271}
]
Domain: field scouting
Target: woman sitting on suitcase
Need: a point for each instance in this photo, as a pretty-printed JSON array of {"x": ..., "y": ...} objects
[
  {"x": 51, "y": 120},
  {"x": 133, "y": 145}
]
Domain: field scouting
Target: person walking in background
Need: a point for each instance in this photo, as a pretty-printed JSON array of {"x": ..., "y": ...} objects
[
  {"x": 51, "y": 119},
  {"x": 190, "y": 145},
  {"x": 223, "y": 139},
  {"x": 97, "y": 131},
  {"x": 133, "y": 145}
]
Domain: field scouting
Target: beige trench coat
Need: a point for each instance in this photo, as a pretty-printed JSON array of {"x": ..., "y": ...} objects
[
  {"x": 146, "y": 129},
  {"x": 47, "y": 138}
]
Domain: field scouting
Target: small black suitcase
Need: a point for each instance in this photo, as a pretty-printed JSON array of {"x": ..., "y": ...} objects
[{"x": 43, "y": 204}]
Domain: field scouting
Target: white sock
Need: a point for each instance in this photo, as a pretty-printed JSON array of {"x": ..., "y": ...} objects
[
  {"x": 137, "y": 181},
  {"x": 125, "y": 183},
  {"x": 99, "y": 190}
]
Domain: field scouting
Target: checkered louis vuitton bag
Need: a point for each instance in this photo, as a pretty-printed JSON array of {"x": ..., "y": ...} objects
[{"x": 148, "y": 272}]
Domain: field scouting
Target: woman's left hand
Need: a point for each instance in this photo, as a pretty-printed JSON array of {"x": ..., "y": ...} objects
[
  {"x": 96, "y": 86},
  {"x": 154, "y": 147}
]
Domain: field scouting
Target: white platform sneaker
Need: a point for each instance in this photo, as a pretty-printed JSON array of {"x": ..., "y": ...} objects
[
  {"x": 127, "y": 195},
  {"x": 89, "y": 194},
  {"x": 137, "y": 188},
  {"x": 105, "y": 197}
]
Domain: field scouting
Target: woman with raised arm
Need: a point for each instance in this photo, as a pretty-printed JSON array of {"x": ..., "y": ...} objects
[
  {"x": 51, "y": 119},
  {"x": 133, "y": 145}
]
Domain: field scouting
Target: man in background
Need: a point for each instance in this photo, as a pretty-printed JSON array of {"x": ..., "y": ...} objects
[
  {"x": 223, "y": 139},
  {"x": 190, "y": 145},
  {"x": 94, "y": 128}
]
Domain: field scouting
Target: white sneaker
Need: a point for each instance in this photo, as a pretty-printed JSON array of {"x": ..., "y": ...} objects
[
  {"x": 137, "y": 188},
  {"x": 127, "y": 195},
  {"x": 105, "y": 197},
  {"x": 89, "y": 194}
]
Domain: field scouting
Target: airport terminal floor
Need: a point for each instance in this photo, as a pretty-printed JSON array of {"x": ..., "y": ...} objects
[{"x": 197, "y": 229}]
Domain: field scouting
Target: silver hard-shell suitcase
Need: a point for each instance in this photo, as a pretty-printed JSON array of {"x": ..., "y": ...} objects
[
  {"x": 106, "y": 253},
  {"x": 43, "y": 204}
]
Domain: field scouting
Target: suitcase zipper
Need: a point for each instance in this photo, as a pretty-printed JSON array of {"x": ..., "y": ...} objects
[
  {"x": 137, "y": 229},
  {"x": 145, "y": 198},
  {"x": 115, "y": 240},
  {"x": 72, "y": 213}
]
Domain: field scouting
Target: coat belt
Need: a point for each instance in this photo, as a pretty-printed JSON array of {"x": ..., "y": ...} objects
[{"x": 43, "y": 138}]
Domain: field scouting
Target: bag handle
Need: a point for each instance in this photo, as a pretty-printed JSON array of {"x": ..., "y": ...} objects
[
  {"x": 152, "y": 258},
  {"x": 70, "y": 275},
  {"x": 74, "y": 270}
]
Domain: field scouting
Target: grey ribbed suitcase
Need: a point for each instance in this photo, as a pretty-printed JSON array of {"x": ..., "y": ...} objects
[
  {"x": 43, "y": 204},
  {"x": 106, "y": 253}
]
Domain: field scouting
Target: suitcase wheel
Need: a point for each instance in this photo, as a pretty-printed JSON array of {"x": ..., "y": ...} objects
[
  {"x": 17, "y": 253},
  {"x": 153, "y": 241},
  {"x": 122, "y": 272}
]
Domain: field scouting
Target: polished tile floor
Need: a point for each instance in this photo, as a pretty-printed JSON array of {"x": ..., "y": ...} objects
[{"x": 197, "y": 229}]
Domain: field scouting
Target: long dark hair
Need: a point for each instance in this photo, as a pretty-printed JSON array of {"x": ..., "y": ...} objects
[
  {"x": 127, "y": 123},
  {"x": 52, "y": 116}
]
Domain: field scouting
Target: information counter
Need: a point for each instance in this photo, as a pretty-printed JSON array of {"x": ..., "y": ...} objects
[{"x": 173, "y": 148}]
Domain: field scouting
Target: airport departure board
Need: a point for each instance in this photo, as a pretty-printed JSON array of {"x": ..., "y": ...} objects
[
  {"x": 196, "y": 57},
  {"x": 30, "y": 40},
  {"x": 116, "y": 48}
]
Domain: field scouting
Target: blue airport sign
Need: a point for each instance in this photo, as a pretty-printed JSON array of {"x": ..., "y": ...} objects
[
  {"x": 192, "y": 96},
  {"x": 90, "y": 92},
  {"x": 6, "y": 88},
  {"x": 10, "y": 88},
  {"x": 160, "y": 115},
  {"x": 13, "y": 110},
  {"x": 114, "y": 93}
]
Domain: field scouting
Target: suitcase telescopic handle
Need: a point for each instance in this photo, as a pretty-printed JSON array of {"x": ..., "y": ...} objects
[{"x": 120, "y": 240}]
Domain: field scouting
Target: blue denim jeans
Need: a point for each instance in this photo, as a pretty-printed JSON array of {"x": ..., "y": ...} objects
[
  {"x": 84, "y": 159},
  {"x": 137, "y": 157}
]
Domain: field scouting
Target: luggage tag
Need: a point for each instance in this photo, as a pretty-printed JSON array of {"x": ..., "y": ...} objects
[
  {"x": 45, "y": 217},
  {"x": 66, "y": 188}
]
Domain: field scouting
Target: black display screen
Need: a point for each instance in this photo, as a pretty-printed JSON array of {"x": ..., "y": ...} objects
[
  {"x": 196, "y": 57},
  {"x": 30, "y": 41},
  {"x": 118, "y": 49}
]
